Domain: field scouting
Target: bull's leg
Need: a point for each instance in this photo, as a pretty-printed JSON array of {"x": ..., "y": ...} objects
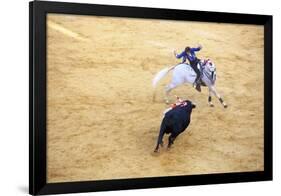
[
  {"x": 159, "y": 142},
  {"x": 214, "y": 91},
  {"x": 160, "y": 137},
  {"x": 172, "y": 138},
  {"x": 171, "y": 141}
]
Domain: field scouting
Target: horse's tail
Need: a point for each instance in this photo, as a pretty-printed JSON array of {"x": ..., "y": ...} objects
[{"x": 161, "y": 74}]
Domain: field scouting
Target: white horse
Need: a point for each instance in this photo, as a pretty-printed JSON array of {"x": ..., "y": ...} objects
[{"x": 183, "y": 73}]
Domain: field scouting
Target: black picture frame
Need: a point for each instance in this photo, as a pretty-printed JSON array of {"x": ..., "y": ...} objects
[{"x": 37, "y": 97}]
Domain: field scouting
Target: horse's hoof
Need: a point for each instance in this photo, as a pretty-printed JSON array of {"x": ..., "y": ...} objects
[
  {"x": 225, "y": 106},
  {"x": 211, "y": 105},
  {"x": 156, "y": 150}
]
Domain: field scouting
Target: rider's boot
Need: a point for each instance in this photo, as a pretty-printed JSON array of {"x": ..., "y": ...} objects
[{"x": 197, "y": 86}]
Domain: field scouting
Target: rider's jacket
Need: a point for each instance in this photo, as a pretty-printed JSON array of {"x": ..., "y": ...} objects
[{"x": 191, "y": 56}]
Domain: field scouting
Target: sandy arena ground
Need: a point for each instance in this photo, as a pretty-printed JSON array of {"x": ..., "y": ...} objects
[{"x": 102, "y": 123}]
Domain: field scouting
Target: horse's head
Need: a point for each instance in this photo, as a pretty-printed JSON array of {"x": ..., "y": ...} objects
[
  {"x": 209, "y": 65},
  {"x": 209, "y": 69}
]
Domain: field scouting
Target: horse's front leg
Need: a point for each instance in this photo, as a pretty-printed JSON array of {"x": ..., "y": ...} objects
[
  {"x": 223, "y": 103},
  {"x": 214, "y": 91},
  {"x": 210, "y": 99}
]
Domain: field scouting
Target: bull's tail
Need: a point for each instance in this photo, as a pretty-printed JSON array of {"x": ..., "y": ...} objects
[
  {"x": 161, "y": 74},
  {"x": 160, "y": 137}
]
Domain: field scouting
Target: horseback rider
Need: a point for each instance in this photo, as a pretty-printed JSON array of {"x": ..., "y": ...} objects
[{"x": 189, "y": 53}]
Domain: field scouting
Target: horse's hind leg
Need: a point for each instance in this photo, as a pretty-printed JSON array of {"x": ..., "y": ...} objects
[
  {"x": 168, "y": 89},
  {"x": 214, "y": 91}
]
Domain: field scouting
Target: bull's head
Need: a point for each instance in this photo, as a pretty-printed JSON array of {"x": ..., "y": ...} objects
[{"x": 186, "y": 102}]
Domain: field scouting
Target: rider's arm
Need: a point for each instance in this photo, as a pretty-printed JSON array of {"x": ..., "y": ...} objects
[
  {"x": 180, "y": 55},
  {"x": 196, "y": 49}
]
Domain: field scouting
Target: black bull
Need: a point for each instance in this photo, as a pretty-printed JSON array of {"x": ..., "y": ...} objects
[{"x": 175, "y": 122}]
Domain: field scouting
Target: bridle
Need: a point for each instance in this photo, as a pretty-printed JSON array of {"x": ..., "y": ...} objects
[{"x": 210, "y": 68}]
